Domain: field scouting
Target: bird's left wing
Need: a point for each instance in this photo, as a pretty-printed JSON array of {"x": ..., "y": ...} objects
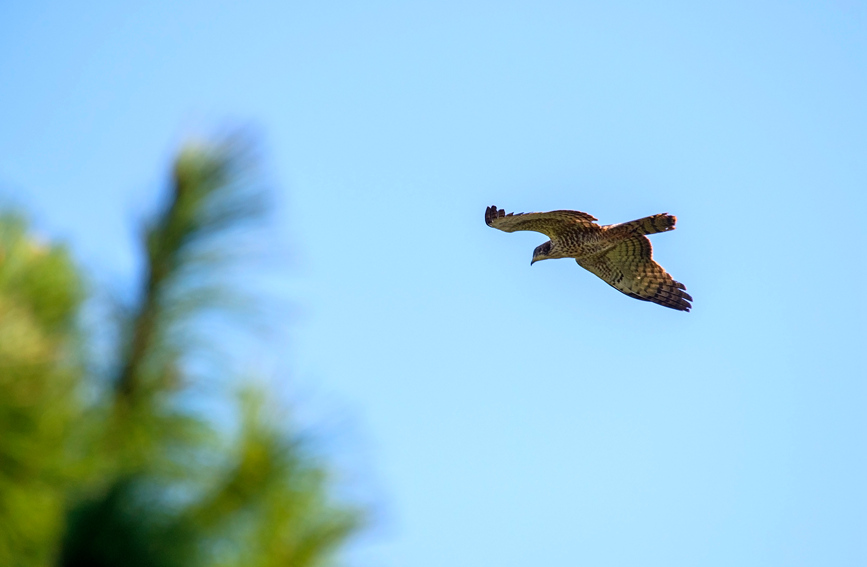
[{"x": 550, "y": 224}]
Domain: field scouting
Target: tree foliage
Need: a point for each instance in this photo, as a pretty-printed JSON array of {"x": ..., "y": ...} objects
[{"x": 102, "y": 462}]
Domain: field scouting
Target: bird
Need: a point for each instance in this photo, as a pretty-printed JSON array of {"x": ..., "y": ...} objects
[{"x": 619, "y": 254}]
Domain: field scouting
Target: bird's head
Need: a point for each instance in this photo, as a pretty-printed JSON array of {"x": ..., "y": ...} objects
[{"x": 542, "y": 252}]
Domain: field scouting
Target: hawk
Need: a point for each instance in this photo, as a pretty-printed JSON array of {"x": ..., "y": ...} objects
[{"x": 620, "y": 254}]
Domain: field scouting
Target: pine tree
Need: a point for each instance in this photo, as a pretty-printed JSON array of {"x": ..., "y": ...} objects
[{"x": 102, "y": 463}]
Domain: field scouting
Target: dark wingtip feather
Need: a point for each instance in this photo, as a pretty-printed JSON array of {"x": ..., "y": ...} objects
[
  {"x": 492, "y": 213},
  {"x": 668, "y": 222},
  {"x": 489, "y": 214}
]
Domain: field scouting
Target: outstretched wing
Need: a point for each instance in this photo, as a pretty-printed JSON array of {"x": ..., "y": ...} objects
[
  {"x": 550, "y": 224},
  {"x": 629, "y": 267}
]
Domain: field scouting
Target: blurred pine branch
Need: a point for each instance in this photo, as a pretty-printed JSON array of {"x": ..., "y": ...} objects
[{"x": 131, "y": 476}]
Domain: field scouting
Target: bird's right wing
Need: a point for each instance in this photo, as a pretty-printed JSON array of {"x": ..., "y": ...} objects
[
  {"x": 629, "y": 268},
  {"x": 550, "y": 224}
]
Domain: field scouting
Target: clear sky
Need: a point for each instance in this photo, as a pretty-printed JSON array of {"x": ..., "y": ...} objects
[{"x": 510, "y": 415}]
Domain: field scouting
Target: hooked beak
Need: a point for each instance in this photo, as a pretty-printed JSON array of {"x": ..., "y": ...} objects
[{"x": 533, "y": 261}]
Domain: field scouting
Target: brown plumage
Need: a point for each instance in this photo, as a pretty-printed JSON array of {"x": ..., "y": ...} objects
[{"x": 620, "y": 254}]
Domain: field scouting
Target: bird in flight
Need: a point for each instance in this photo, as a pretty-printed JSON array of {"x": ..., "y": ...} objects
[{"x": 620, "y": 254}]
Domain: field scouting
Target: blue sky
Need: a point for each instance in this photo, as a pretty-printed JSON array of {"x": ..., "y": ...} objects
[{"x": 513, "y": 415}]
